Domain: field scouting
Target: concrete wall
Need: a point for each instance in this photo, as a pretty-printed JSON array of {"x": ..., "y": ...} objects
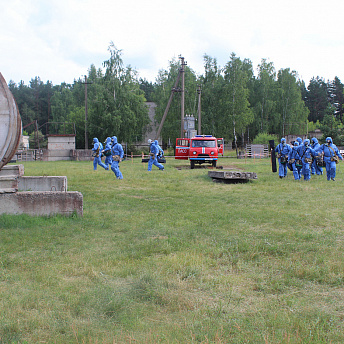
[
  {"x": 67, "y": 154},
  {"x": 56, "y": 154},
  {"x": 61, "y": 142},
  {"x": 82, "y": 155},
  {"x": 42, "y": 183},
  {"x": 150, "y": 131}
]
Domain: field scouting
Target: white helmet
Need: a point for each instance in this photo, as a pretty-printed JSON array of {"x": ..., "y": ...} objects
[{"x": 149, "y": 141}]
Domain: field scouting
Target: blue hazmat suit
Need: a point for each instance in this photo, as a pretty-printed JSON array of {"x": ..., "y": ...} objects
[
  {"x": 315, "y": 169},
  {"x": 306, "y": 153},
  {"x": 154, "y": 151},
  {"x": 97, "y": 151},
  {"x": 293, "y": 161},
  {"x": 299, "y": 140},
  {"x": 107, "y": 153},
  {"x": 117, "y": 155},
  {"x": 283, "y": 150},
  {"x": 329, "y": 150},
  {"x": 161, "y": 152}
]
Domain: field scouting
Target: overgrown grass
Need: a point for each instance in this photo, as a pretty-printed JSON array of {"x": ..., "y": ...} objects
[{"x": 171, "y": 257}]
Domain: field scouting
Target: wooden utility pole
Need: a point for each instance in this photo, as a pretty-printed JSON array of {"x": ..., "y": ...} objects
[
  {"x": 173, "y": 91},
  {"x": 86, "y": 112},
  {"x": 199, "y": 91},
  {"x": 182, "y": 70}
]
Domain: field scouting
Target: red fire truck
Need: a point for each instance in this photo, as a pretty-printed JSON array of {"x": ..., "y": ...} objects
[{"x": 199, "y": 149}]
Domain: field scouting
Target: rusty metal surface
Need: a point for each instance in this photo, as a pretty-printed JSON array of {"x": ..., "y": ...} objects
[{"x": 10, "y": 124}]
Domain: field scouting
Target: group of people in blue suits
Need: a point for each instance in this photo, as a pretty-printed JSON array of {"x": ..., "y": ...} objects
[
  {"x": 307, "y": 157},
  {"x": 113, "y": 153}
]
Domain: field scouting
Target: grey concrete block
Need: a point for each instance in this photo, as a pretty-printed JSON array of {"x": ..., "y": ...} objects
[
  {"x": 42, "y": 203},
  {"x": 42, "y": 183},
  {"x": 8, "y": 182},
  {"x": 12, "y": 170}
]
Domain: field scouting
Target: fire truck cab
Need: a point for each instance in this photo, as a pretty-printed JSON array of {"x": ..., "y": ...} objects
[{"x": 199, "y": 149}]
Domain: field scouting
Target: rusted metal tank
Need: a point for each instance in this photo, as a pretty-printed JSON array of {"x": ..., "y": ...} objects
[{"x": 10, "y": 124}]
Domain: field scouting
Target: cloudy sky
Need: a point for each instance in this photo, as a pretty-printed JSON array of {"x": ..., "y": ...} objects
[{"x": 58, "y": 40}]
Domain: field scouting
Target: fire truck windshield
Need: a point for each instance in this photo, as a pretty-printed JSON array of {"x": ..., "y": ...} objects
[{"x": 203, "y": 143}]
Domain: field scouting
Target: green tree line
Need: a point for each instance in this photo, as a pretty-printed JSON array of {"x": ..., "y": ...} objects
[{"x": 236, "y": 103}]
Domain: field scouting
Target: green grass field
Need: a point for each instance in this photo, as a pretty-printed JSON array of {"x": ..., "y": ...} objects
[{"x": 172, "y": 257}]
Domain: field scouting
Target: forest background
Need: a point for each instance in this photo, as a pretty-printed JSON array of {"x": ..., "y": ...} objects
[{"x": 236, "y": 104}]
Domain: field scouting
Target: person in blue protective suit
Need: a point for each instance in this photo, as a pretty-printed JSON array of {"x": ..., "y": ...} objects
[
  {"x": 294, "y": 160},
  {"x": 107, "y": 153},
  {"x": 306, "y": 153},
  {"x": 315, "y": 169},
  {"x": 154, "y": 151},
  {"x": 282, "y": 150},
  {"x": 117, "y": 155},
  {"x": 299, "y": 140},
  {"x": 331, "y": 155},
  {"x": 161, "y": 152},
  {"x": 97, "y": 153}
]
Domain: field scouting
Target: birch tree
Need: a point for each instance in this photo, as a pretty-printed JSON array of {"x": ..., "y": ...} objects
[
  {"x": 290, "y": 106},
  {"x": 237, "y": 114}
]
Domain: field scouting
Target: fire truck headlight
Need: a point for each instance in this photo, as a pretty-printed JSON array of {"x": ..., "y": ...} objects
[
  {"x": 194, "y": 152},
  {"x": 212, "y": 153}
]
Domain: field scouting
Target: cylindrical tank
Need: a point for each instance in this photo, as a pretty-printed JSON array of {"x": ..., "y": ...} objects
[{"x": 10, "y": 124}]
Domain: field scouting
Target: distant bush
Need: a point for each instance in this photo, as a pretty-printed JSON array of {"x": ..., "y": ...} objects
[
  {"x": 35, "y": 138},
  {"x": 264, "y": 138}
]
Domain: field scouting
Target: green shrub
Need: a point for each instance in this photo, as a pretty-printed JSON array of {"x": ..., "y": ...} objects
[{"x": 264, "y": 138}]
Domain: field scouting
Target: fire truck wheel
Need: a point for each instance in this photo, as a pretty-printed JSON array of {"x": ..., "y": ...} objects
[
  {"x": 214, "y": 163},
  {"x": 192, "y": 164}
]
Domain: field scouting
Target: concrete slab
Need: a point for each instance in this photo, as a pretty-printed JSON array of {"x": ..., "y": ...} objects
[
  {"x": 232, "y": 176},
  {"x": 12, "y": 170},
  {"x": 8, "y": 182},
  {"x": 42, "y": 203},
  {"x": 8, "y": 190},
  {"x": 42, "y": 183}
]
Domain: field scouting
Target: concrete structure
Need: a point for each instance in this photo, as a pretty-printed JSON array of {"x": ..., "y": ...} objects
[
  {"x": 150, "y": 131},
  {"x": 291, "y": 138},
  {"x": 24, "y": 142},
  {"x": 232, "y": 176},
  {"x": 317, "y": 133},
  {"x": 42, "y": 183},
  {"x": 56, "y": 154},
  {"x": 39, "y": 195},
  {"x": 41, "y": 203},
  {"x": 10, "y": 124},
  {"x": 61, "y": 142},
  {"x": 36, "y": 195},
  {"x": 12, "y": 170},
  {"x": 82, "y": 155}
]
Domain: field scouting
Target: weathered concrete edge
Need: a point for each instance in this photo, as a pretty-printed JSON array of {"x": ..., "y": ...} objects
[
  {"x": 42, "y": 183},
  {"x": 38, "y": 203},
  {"x": 12, "y": 170}
]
